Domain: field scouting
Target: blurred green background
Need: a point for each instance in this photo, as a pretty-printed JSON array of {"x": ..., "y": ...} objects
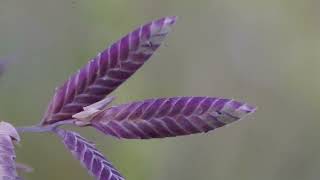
[{"x": 262, "y": 52}]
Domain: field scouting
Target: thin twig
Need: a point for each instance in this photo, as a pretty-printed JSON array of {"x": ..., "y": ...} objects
[{"x": 47, "y": 128}]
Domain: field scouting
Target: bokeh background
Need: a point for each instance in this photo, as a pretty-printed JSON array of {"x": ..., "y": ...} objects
[{"x": 262, "y": 52}]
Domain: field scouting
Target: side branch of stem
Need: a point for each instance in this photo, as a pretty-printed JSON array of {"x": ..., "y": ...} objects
[{"x": 46, "y": 128}]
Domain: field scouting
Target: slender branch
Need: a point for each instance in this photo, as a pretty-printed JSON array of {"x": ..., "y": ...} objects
[{"x": 47, "y": 128}]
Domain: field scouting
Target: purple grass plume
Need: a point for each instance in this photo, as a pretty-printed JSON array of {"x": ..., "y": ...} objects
[
  {"x": 82, "y": 101},
  {"x": 108, "y": 70},
  {"x": 168, "y": 117},
  {"x": 89, "y": 156},
  {"x": 8, "y": 135}
]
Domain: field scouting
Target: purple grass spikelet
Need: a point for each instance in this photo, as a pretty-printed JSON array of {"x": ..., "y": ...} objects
[
  {"x": 108, "y": 70},
  {"x": 89, "y": 156},
  {"x": 8, "y": 135},
  {"x": 169, "y": 117}
]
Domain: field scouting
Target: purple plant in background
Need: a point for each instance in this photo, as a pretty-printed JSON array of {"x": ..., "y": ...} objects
[
  {"x": 82, "y": 101},
  {"x": 6, "y": 61},
  {"x": 3, "y": 65}
]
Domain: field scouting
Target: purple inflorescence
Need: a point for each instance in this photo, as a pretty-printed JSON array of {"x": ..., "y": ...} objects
[
  {"x": 82, "y": 101},
  {"x": 107, "y": 70},
  {"x": 90, "y": 157},
  {"x": 8, "y": 134},
  {"x": 169, "y": 117}
]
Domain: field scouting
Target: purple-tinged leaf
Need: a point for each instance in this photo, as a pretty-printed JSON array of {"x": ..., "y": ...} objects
[
  {"x": 169, "y": 117},
  {"x": 108, "y": 70},
  {"x": 8, "y": 134},
  {"x": 89, "y": 156}
]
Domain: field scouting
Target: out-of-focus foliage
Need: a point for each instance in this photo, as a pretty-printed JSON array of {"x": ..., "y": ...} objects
[
  {"x": 2, "y": 67},
  {"x": 262, "y": 52}
]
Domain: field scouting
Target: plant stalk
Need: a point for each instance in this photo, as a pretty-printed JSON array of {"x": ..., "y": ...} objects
[{"x": 47, "y": 128}]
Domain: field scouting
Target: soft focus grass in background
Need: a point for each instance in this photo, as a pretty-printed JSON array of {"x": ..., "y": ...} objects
[{"x": 263, "y": 52}]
